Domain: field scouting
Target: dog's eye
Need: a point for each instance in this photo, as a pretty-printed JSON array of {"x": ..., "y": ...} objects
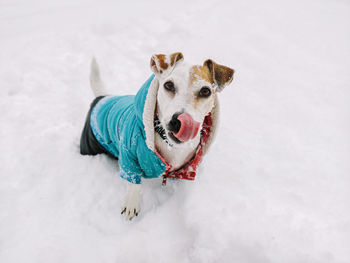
[
  {"x": 204, "y": 92},
  {"x": 169, "y": 86}
]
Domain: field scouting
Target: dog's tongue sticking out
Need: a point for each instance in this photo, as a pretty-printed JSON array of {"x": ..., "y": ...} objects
[{"x": 188, "y": 129}]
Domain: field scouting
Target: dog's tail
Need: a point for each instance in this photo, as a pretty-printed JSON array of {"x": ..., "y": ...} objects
[{"x": 96, "y": 83}]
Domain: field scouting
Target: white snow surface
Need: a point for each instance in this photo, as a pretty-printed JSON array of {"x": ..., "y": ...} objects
[{"x": 275, "y": 186}]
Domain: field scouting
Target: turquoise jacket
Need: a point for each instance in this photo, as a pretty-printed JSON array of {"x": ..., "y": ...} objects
[{"x": 117, "y": 123}]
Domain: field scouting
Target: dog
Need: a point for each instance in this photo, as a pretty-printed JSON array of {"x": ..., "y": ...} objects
[{"x": 163, "y": 130}]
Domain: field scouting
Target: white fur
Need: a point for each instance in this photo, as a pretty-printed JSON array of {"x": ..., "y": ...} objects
[
  {"x": 96, "y": 83},
  {"x": 132, "y": 201}
]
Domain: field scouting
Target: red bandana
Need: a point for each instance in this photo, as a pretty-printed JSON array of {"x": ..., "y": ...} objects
[{"x": 188, "y": 172}]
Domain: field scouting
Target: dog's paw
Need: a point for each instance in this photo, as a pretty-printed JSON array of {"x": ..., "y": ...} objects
[
  {"x": 131, "y": 209},
  {"x": 131, "y": 206},
  {"x": 130, "y": 213}
]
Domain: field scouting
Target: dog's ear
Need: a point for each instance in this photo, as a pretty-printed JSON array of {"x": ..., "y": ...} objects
[
  {"x": 219, "y": 74},
  {"x": 161, "y": 63}
]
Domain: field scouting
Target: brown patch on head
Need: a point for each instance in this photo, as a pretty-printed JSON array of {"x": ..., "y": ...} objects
[
  {"x": 160, "y": 62},
  {"x": 200, "y": 73}
]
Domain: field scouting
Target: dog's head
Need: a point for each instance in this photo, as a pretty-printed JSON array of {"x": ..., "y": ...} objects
[{"x": 186, "y": 93}]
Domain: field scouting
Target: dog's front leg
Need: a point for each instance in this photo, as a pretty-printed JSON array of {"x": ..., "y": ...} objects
[{"x": 131, "y": 206}]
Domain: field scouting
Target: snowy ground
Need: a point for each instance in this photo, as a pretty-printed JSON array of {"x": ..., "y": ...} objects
[{"x": 275, "y": 187}]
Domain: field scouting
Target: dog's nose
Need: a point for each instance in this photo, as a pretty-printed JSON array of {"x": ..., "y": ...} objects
[
  {"x": 183, "y": 126},
  {"x": 174, "y": 125}
]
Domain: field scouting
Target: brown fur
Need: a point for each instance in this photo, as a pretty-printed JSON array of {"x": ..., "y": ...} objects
[
  {"x": 200, "y": 72},
  {"x": 163, "y": 65},
  {"x": 211, "y": 73},
  {"x": 161, "y": 62},
  {"x": 175, "y": 57},
  {"x": 221, "y": 75}
]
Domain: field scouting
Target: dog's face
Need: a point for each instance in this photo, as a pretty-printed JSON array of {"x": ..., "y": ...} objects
[{"x": 186, "y": 93}]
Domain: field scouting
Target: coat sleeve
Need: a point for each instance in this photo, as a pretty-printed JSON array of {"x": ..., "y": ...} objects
[{"x": 130, "y": 169}]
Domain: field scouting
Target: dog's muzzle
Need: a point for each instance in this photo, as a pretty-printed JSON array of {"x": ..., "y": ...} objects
[{"x": 183, "y": 127}]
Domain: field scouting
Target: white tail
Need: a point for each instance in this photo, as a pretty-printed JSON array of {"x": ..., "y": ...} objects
[{"x": 96, "y": 83}]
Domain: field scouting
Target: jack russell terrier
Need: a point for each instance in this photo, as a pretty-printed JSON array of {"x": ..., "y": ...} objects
[{"x": 163, "y": 130}]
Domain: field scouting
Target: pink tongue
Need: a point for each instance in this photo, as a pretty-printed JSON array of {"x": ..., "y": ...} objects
[{"x": 188, "y": 129}]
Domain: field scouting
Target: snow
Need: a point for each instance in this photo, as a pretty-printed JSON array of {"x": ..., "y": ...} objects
[{"x": 273, "y": 188}]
